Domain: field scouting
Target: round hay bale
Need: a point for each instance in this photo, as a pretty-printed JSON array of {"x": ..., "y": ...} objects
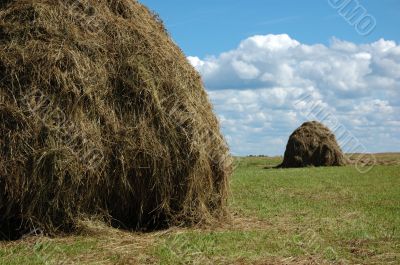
[
  {"x": 102, "y": 115},
  {"x": 312, "y": 144}
]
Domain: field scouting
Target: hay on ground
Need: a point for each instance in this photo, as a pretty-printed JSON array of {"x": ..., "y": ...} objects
[
  {"x": 101, "y": 114},
  {"x": 312, "y": 144}
]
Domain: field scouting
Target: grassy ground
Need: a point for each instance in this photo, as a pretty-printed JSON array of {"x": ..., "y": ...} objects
[{"x": 280, "y": 216}]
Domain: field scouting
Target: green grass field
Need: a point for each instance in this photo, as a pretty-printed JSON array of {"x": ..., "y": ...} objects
[{"x": 279, "y": 216}]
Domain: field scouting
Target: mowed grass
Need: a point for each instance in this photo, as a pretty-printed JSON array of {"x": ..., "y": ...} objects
[
  {"x": 333, "y": 213},
  {"x": 279, "y": 216}
]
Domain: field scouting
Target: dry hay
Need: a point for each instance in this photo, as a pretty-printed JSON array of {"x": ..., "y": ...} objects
[
  {"x": 312, "y": 144},
  {"x": 101, "y": 114}
]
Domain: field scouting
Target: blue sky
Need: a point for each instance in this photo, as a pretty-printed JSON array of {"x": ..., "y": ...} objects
[
  {"x": 258, "y": 57},
  {"x": 208, "y": 27}
]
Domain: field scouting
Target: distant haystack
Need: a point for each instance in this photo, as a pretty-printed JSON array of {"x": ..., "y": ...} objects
[
  {"x": 312, "y": 144},
  {"x": 101, "y": 114}
]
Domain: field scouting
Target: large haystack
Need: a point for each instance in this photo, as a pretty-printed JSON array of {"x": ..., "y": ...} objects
[
  {"x": 101, "y": 114},
  {"x": 312, "y": 144}
]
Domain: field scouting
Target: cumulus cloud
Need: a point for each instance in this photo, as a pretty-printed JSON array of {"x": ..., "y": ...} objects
[{"x": 255, "y": 86}]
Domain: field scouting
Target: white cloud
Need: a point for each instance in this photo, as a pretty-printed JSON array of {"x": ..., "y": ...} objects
[
  {"x": 269, "y": 43},
  {"x": 374, "y": 106},
  {"x": 254, "y": 87},
  {"x": 245, "y": 70}
]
